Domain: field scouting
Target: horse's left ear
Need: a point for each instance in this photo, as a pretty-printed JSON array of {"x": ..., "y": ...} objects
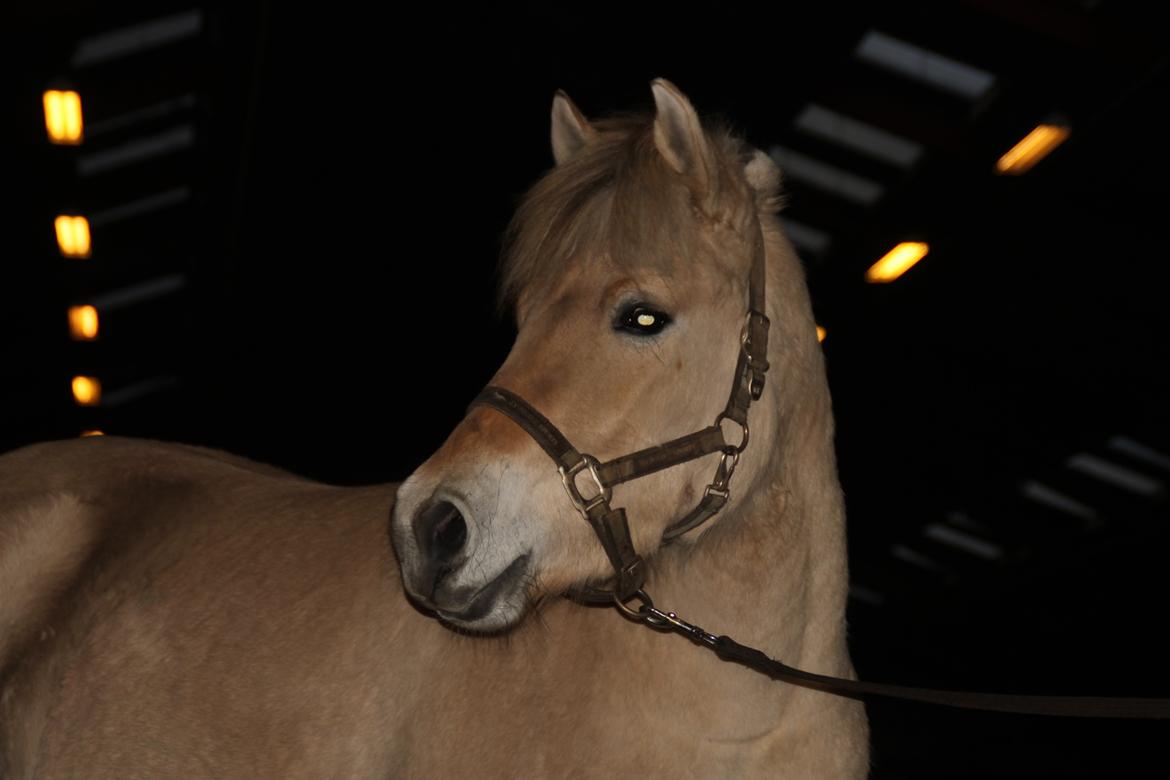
[
  {"x": 570, "y": 129},
  {"x": 678, "y": 134}
]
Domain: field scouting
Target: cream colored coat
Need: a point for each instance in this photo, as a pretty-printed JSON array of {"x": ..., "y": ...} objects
[{"x": 169, "y": 611}]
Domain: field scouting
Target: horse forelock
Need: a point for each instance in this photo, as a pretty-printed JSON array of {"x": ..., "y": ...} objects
[{"x": 617, "y": 201}]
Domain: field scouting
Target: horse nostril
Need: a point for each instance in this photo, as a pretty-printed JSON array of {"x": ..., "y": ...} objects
[
  {"x": 450, "y": 534},
  {"x": 441, "y": 531}
]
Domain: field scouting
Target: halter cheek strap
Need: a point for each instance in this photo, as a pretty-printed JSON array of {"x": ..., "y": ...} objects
[{"x": 610, "y": 524}]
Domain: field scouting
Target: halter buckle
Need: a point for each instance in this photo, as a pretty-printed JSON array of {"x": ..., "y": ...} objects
[
  {"x": 569, "y": 479},
  {"x": 755, "y": 339}
]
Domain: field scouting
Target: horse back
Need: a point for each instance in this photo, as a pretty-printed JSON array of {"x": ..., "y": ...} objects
[{"x": 58, "y": 500}]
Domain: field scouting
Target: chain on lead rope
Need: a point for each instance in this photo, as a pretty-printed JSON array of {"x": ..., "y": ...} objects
[{"x": 657, "y": 619}]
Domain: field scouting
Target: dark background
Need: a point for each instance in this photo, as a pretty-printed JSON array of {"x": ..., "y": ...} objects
[{"x": 336, "y": 211}]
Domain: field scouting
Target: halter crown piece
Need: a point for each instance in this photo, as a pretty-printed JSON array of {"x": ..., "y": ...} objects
[{"x": 610, "y": 524}]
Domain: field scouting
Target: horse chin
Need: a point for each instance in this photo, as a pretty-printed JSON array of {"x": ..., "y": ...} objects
[{"x": 496, "y": 606}]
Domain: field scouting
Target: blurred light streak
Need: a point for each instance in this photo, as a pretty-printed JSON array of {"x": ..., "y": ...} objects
[{"x": 897, "y": 261}]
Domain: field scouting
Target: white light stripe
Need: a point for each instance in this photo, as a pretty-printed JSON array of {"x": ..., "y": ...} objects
[
  {"x": 154, "y": 111},
  {"x": 1042, "y": 494},
  {"x": 140, "y": 37},
  {"x": 805, "y": 236},
  {"x": 859, "y": 136},
  {"x": 134, "y": 151},
  {"x": 1139, "y": 451},
  {"x": 923, "y": 65},
  {"x": 801, "y": 167},
  {"x": 963, "y": 541},
  {"x": 138, "y": 390},
  {"x": 866, "y": 595},
  {"x": 137, "y": 293},
  {"x": 904, "y": 553},
  {"x": 1119, "y": 476},
  {"x": 137, "y": 208}
]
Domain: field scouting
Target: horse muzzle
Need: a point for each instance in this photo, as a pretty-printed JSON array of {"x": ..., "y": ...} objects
[{"x": 443, "y": 574}]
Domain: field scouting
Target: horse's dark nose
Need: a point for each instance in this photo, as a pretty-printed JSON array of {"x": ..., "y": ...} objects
[{"x": 441, "y": 532}]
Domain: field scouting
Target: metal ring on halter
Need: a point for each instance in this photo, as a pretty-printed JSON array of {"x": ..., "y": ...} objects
[
  {"x": 635, "y": 614},
  {"x": 744, "y": 441}
]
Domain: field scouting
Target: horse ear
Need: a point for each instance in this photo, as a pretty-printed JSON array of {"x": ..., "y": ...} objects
[
  {"x": 570, "y": 129},
  {"x": 765, "y": 179},
  {"x": 678, "y": 133}
]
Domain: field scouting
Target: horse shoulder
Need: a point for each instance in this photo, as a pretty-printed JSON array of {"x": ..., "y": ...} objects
[
  {"x": 126, "y": 565},
  {"x": 44, "y": 538}
]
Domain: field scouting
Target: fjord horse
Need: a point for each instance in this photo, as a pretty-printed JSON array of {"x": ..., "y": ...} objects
[{"x": 170, "y": 611}]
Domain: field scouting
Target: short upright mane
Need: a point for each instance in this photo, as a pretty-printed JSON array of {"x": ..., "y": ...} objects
[{"x": 617, "y": 199}]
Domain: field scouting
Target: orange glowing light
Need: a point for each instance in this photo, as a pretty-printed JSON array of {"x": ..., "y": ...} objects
[
  {"x": 83, "y": 323},
  {"x": 91, "y": 432},
  {"x": 821, "y": 333},
  {"x": 72, "y": 235},
  {"x": 897, "y": 261},
  {"x": 87, "y": 391},
  {"x": 1031, "y": 149},
  {"x": 63, "y": 116}
]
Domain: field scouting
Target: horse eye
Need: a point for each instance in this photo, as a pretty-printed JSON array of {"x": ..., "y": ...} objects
[{"x": 641, "y": 320}]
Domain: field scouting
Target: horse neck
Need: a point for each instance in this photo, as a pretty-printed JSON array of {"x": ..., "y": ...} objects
[{"x": 771, "y": 571}]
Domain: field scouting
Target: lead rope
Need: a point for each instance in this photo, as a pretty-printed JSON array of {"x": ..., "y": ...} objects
[{"x": 729, "y": 650}]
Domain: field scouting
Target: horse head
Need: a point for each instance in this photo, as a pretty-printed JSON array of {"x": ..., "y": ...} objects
[{"x": 627, "y": 268}]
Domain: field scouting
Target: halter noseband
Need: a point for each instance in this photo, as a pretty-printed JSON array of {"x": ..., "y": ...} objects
[{"x": 609, "y": 524}]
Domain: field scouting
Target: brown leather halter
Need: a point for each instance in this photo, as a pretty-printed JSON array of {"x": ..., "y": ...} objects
[
  {"x": 613, "y": 530},
  {"x": 610, "y": 524}
]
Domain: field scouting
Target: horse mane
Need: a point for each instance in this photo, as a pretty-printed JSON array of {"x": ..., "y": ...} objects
[{"x": 618, "y": 197}]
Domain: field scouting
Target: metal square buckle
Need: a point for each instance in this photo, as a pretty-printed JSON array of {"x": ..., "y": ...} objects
[{"x": 569, "y": 479}]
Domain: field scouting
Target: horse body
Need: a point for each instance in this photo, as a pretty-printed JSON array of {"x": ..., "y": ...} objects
[
  {"x": 189, "y": 643},
  {"x": 181, "y": 612}
]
